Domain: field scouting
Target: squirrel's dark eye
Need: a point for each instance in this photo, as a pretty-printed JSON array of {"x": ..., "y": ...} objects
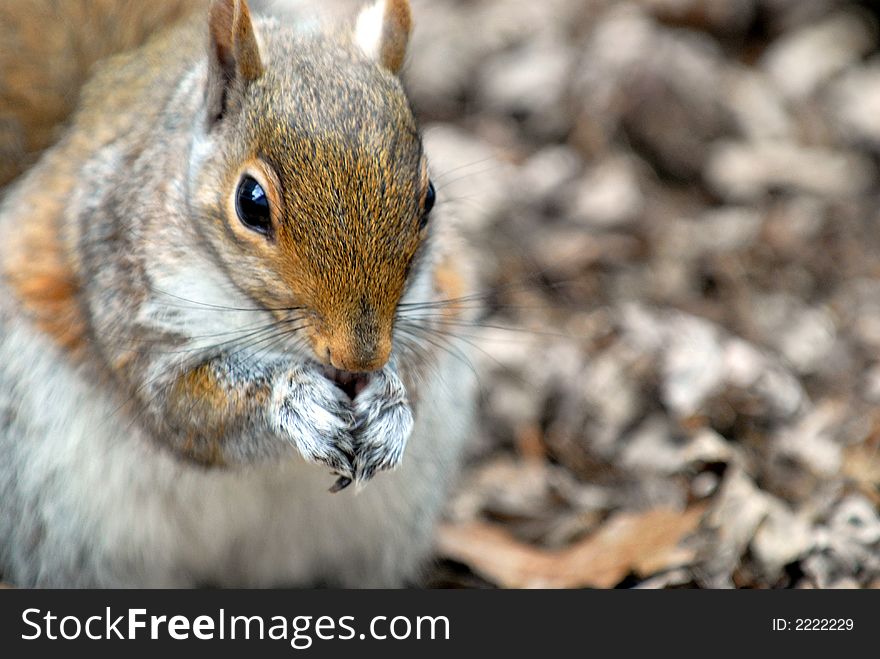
[
  {"x": 430, "y": 198},
  {"x": 252, "y": 205}
]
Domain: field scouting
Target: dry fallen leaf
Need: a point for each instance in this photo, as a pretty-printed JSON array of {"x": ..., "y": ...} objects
[
  {"x": 862, "y": 464},
  {"x": 643, "y": 543}
]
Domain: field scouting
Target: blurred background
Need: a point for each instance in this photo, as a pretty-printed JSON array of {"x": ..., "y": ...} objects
[{"x": 674, "y": 204}]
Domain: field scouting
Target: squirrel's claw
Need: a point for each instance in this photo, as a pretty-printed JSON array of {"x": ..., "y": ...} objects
[{"x": 341, "y": 483}]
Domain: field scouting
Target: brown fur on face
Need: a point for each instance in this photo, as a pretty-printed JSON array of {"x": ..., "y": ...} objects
[
  {"x": 345, "y": 248},
  {"x": 348, "y": 167}
]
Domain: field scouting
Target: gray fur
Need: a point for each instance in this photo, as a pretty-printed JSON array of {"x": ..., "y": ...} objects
[
  {"x": 315, "y": 417},
  {"x": 384, "y": 424}
]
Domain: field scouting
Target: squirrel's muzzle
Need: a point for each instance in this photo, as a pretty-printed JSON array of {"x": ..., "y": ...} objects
[
  {"x": 343, "y": 358},
  {"x": 359, "y": 347}
]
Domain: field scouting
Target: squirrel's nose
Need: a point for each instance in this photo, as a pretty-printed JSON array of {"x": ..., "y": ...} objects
[
  {"x": 356, "y": 362},
  {"x": 358, "y": 340},
  {"x": 353, "y": 356}
]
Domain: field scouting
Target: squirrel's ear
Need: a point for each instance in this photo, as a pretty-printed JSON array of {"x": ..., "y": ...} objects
[
  {"x": 382, "y": 32},
  {"x": 234, "y": 52}
]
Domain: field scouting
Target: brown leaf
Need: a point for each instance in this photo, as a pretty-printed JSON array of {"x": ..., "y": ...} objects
[
  {"x": 861, "y": 463},
  {"x": 643, "y": 543}
]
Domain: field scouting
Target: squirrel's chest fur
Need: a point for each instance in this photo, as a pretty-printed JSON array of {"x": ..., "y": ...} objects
[{"x": 88, "y": 500}]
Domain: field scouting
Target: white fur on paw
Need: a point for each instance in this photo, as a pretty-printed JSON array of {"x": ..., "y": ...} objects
[
  {"x": 383, "y": 424},
  {"x": 316, "y": 417}
]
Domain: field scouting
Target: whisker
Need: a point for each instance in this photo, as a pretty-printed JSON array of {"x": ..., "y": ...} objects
[
  {"x": 237, "y": 335},
  {"x": 451, "y": 350},
  {"x": 439, "y": 176},
  {"x": 219, "y": 307},
  {"x": 267, "y": 333},
  {"x": 476, "y": 324},
  {"x": 486, "y": 170},
  {"x": 448, "y": 337},
  {"x": 281, "y": 334}
]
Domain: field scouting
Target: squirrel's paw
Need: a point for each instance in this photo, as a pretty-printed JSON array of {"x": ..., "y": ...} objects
[
  {"x": 316, "y": 417},
  {"x": 384, "y": 422}
]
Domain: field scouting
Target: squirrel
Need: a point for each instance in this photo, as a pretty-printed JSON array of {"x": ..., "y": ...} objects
[{"x": 222, "y": 290}]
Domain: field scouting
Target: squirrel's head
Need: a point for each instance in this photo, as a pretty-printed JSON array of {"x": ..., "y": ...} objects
[{"x": 309, "y": 180}]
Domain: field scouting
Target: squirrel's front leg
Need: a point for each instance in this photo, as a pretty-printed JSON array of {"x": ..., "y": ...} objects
[
  {"x": 232, "y": 410},
  {"x": 315, "y": 416},
  {"x": 383, "y": 424}
]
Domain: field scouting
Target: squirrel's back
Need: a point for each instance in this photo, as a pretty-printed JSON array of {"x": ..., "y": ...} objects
[{"x": 48, "y": 50}]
